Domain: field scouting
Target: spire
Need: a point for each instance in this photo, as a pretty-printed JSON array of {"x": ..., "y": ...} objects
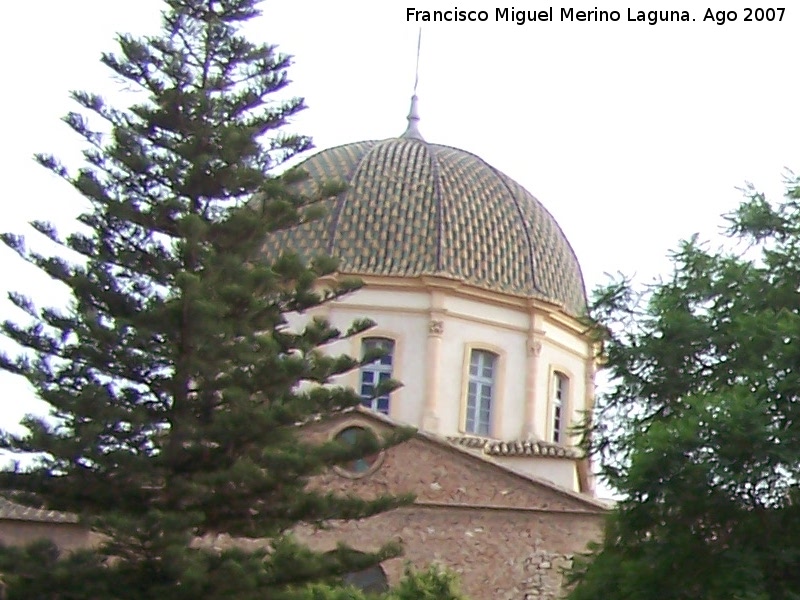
[{"x": 412, "y": 131}]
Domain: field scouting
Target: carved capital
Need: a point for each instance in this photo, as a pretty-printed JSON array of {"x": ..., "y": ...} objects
[
  {"x": 534, "y": 348},
  {"x": 435, "y": 327}
]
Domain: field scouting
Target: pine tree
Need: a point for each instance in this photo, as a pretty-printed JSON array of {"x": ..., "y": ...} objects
[
  {"x": 178, "y": 390},
  {"x": 699, "y": 430}
]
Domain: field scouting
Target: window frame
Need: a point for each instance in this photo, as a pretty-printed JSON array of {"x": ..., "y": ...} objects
[
  {"x": 558, "y": 414},
  {"x": 377, "y": 459},
  {"x": 498, "y": 389},
  {"x": 392, "y": 370}
]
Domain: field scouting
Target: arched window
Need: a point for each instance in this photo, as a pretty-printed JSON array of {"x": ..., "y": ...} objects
[
  {"x": 372, "y": 580},
  {"x": 480, "y": 391},
  {"x": 375, "y": 372},
  {"x": 559, "y": 403}
]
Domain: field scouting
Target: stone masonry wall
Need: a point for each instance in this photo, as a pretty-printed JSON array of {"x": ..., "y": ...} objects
[
  {"x": 438, "y": 472},
  {"x": 508, "y": 536},
  {"x": 497, "y": 554},
  {"x": 67, "y": 536}
]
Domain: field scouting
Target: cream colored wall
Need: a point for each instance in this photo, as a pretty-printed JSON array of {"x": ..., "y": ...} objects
[
  {"x": 394, "y": 299},
  {"x": 561, "y": 471},
  {"x": 460, "y": 323},
  {"x": 497, "y": 316},
  {"x": 461, "y": 335},
  {"x": 556, "y": 357},
  {"x": 468, "y": 323},
  {"x": 561, "y": 335},
  {"x": 409, "y": 331},
  {"x": 406, "y": 321}
]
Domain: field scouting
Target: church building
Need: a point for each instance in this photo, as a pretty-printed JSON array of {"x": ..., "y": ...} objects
[{"x": 477, "y": 298}]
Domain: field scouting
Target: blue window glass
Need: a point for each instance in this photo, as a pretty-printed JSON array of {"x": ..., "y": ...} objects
[
  {"x": 560, "y": 385},
  {"x": 359, "y": 465},
  {"x": 480, "y": 391},
  {"x": 375, "y": 372}
]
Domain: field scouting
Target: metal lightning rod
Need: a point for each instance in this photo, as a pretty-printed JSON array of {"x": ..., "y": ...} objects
[
  {"x": 416, "y": 71},
  {"x": 412, "y": 131}
]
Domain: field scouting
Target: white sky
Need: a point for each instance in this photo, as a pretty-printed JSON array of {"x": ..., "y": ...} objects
[{"x": 633, "y": 136}]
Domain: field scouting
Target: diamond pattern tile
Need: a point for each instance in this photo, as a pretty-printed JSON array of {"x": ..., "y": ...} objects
[{"x": 413, "y": 208}]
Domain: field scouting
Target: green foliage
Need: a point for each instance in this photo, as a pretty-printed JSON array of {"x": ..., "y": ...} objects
[
  {"x": 698, "y": 431},
  {"x": 231, "y": 573},
  {"x": 178, "y": 389},
  {"x": 431, "y": 584}
]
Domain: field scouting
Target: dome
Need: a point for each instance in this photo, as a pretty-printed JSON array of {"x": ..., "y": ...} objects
[{"x": 412, "y": 208}]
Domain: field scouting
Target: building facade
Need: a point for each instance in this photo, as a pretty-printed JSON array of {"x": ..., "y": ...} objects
[
  {"x": 478, "y": 302},
  {"x": 476, "y": 293}
]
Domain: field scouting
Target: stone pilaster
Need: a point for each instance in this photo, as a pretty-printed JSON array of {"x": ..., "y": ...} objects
[
  {"x": 430, "y": 416},
  {"x": 534, "y": 346}
]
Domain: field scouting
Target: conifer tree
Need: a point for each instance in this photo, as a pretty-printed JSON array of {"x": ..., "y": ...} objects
[
  {"x": 178, "y": 390},
  {"x": 699, "y": 430}
]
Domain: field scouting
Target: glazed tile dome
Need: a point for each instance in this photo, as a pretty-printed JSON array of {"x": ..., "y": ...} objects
[{"x": 412, "y": 208}]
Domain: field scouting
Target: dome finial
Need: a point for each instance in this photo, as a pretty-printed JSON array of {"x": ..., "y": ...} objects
[{"x": 412, "y": 131}]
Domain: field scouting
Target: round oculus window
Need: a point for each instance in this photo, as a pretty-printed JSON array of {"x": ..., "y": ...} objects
[{"x": 359, "y": 467}]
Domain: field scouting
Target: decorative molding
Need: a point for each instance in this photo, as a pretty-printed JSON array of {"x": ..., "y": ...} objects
[
  {"x": 495, "y": 447},
  {"x": 17, "y": 512},
  {"x": 377, "y": 460},
  {"x": 433, "y": 352},
  {"x": 427, "y": 283},
  {"x": 435, "y": 327},
  {"x": 498, "y": 402},
  {"x": 534, "y": 348}
]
